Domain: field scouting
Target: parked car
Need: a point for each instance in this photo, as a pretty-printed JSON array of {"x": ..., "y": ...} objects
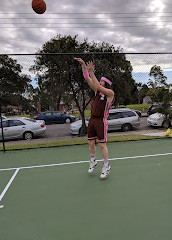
[
  {"x": 153, "y": 109},
  {"x": 3, "y": 117},
  {"x": 55, "y": 117},
  {"x": 119, "y": 119},
  {"x": 21, "y": 127},
  {"x": 137, "y": 111},
  {"x": 158, "y": 120}
]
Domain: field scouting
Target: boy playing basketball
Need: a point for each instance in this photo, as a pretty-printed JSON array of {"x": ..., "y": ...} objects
[{"x": 97, "y": 127}]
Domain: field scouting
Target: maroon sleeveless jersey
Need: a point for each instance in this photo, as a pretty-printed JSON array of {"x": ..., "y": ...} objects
[{"x": 100, "y": 107}]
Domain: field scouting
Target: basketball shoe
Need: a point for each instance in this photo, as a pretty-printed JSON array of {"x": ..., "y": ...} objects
[
  {"x": 92, "y": 165},
  {"x": 105, "y": 171}
]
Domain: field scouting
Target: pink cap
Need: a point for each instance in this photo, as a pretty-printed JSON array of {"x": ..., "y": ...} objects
[{"x": 106, "y": 80}]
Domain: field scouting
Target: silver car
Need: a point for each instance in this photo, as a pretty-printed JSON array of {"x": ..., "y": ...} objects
[
  {"x": 119, "y": 119},
  {"x": 21, "y": 127},
  {"x": 158, "y": 120}
]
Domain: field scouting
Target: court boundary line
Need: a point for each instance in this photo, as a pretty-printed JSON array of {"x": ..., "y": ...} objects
[
  {"x": 8, "y": 185},
  {"x": 79, "y": 162},
  {"x": 62, "y": 164}
]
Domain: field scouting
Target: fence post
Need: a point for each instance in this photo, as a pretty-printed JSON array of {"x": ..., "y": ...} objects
[{"x": 3, "y": 142}]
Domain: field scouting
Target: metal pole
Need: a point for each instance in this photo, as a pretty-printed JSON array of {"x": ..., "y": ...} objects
[{"x": 3, "y": 142}]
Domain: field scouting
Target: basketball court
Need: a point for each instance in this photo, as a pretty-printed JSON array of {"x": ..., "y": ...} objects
[{"x": 48, "y": 194}]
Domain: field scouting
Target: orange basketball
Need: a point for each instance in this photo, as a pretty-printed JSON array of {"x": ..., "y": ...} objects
[{"x": 39, "y": 6}]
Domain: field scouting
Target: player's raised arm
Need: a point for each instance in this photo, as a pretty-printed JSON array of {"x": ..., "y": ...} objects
[
  {"x": 108, "y": 92},
  {"x": 86, "y": 73}
]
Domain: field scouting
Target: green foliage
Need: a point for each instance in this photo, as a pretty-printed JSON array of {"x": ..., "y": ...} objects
[
  {"x": 159, "y": 80},
  {"x": 165, "y": 105},
  {"x": 160, "y": 90},
  {"x": 60, "y": 76},
  {"x": 12, "y": 82}
]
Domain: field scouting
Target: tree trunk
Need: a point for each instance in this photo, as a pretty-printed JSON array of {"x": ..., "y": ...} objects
[
  {"x": 58, "y": 103},
  {"x": 83, "y": 129}
]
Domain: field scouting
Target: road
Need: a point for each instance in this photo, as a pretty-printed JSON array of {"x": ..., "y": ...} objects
[
  {"x": 56, "y": 132},
  {"x": 63, "y": 130}
]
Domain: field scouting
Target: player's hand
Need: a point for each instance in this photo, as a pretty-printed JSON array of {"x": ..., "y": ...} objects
[
  {"x": 79, "y": 60},
  {"x": 90, "y": 66}
]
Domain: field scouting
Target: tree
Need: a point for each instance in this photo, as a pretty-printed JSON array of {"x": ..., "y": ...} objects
[
  {"x": 157, "y": 84},
  {"x": 157, "y": 78},
  {"x": 141, "y": 91},
  {"x": 12, "y": 82},
  {"x": 113, "y": 64},
  {"x": 55, "y": 74},
  {"x": 160, "y": 91},
  {"x": 59, "y": 75},
  {"x": 166, "y": 108},
  {"x": 49, "y": 68}
]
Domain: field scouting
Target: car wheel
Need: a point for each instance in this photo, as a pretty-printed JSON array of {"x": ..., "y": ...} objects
[
  {"x": 126, "y": 127},
  {"x": 28, "y": 136},
  {"x": 67, "y": 120},
  {"x": 165, "y": 124}
]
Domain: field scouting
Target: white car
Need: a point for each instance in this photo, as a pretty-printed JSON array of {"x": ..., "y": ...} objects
[
  {"x": 119, "y": 119},
  {"x": 3, "y": 117},
  {"x": 21, "y": 127},
  {"x": 157, "y": 120}
]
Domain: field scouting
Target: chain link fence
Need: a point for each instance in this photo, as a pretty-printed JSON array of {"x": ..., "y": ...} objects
[{"x": 53, "y": 84}]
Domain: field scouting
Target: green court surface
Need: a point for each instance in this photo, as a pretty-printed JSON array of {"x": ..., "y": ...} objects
[{"x": 47, "y": 194}]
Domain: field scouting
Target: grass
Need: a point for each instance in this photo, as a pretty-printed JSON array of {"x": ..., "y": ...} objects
[
  {"x": 27, "y": 116},
  {"x": 71, "y": 142},
  {"x": 141, "y": 107}
]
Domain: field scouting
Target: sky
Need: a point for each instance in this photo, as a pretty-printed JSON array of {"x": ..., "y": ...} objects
[{"x": 136, "y": 26}]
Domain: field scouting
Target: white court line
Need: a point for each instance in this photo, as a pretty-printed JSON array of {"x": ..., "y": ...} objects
[
  {"x": 8, "y": 185},
  {"x": 71, "y": 163},
  {"x": 68, "y": 163}
]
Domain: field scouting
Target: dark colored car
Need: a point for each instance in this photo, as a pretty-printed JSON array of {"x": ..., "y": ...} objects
[
  {"x": 153, "y": 109},
  {"x": 55, "y": 117}
]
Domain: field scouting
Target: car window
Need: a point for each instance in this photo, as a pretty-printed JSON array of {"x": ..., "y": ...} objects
[
  {"x": 156, "y": 106},
  {"x": 57, "y": 114},
  {"x": 13, "y": 123},
  {"x": 128, "y": 114},
  {"x": 115, "y": 115},
  {"x": 4, "y": 124},
  {"x": 48, "y": 114}
]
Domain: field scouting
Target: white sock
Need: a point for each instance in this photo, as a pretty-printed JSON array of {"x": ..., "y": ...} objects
[
  {"x": 92, "y": 157},
  {"x": 106, "y": 161}
]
